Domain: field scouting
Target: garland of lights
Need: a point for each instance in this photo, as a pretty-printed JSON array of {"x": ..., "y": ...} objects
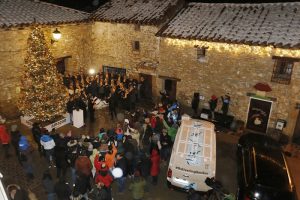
[{"x": 268, "y": 51}]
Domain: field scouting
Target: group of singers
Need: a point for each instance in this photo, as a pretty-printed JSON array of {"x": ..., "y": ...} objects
[{"x": 118, "y": 90}]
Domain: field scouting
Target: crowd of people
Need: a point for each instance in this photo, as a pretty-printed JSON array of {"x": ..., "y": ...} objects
[
  {"x": 137, "y": 146},
  {"x": 115, "y": 89}
]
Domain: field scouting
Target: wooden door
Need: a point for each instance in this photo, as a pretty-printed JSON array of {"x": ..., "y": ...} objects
[
  {"x": 60, "y": 66},
  {"x": 170, "y": 87},
  {"x": 296, "y": 135},
  {"x": 148, "y": 85}
]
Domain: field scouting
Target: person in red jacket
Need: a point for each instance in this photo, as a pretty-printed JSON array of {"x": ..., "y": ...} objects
[
  {"x": 154, "y": 171},
  {"x": 104, "y": 179},
  {"x": 153, "y": 121},
  {"x": 4, "y": 139},
  {"x": 98, "y": 162}
]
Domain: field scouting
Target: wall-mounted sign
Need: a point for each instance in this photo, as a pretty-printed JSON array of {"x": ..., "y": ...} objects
[
  {"x": 258, "y": 115},
  {"x": 114, "y": 70},
  {"x": 280, "y": 124}
]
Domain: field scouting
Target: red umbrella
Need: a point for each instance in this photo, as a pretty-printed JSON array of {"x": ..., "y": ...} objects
[{"x": 263, "y": 87}]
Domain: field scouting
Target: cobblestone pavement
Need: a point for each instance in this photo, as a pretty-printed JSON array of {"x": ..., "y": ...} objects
[{"x": 13, "y": 172}]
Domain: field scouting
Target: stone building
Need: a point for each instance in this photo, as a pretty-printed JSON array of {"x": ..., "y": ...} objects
[
  {"x": 17, "y": 19},
  {"x": 210, "y": 49},
  {"x": 219, "y": 49},
  {"x": 123, "y": 36}
]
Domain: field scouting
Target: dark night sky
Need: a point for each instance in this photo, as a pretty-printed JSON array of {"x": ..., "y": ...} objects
[{"x": 90, "y": 5}]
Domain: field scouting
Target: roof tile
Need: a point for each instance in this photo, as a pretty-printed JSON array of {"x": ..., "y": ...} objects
[
  {"x": 23, "y": 12},
  {"x": 267, "y": 23},
  {"x": 137, "y": 11}
]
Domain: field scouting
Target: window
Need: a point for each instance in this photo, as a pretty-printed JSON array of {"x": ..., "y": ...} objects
[
  {"x": 137, "y": 27},
  {"x": 201, "y": 52},
  {"x": 282, "y": 71},
  {"x": 136, "y": 46}
]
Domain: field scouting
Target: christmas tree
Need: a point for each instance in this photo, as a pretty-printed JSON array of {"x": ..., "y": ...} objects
[{"x": 42, "y": 95}]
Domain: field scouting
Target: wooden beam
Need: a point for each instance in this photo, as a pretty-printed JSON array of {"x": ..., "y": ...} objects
[
  {"x": 171, "y": 78},
  {"x": 286, "y": 58}
]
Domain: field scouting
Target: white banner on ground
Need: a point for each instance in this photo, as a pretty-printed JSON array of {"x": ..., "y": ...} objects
[{"x": 27, "y": 121}]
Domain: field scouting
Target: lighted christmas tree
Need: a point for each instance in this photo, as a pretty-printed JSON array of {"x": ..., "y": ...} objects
[{"x": 42, "y": 95}]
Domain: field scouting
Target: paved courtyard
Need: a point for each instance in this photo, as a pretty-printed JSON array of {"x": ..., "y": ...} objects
[{"x": 226, "y": 166}]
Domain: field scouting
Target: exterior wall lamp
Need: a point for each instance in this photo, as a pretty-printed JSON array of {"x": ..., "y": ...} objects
[{"x": 56, "y": 35}]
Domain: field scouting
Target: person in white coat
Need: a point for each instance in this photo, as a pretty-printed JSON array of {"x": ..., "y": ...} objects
[{"x": 48, "y": 145}]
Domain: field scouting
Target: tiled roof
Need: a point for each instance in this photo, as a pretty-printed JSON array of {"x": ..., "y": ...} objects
[
  {"x": 137, "y": 11},
  {"x": 23, "y": 12},
  {"x": 276, "y": 24}
]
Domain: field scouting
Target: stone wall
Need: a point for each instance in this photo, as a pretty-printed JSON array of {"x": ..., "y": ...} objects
[
  {"x": 13, "y": 44},
  {"x": 113, "y": 46},
  {"x": 229, "y": 69}
]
